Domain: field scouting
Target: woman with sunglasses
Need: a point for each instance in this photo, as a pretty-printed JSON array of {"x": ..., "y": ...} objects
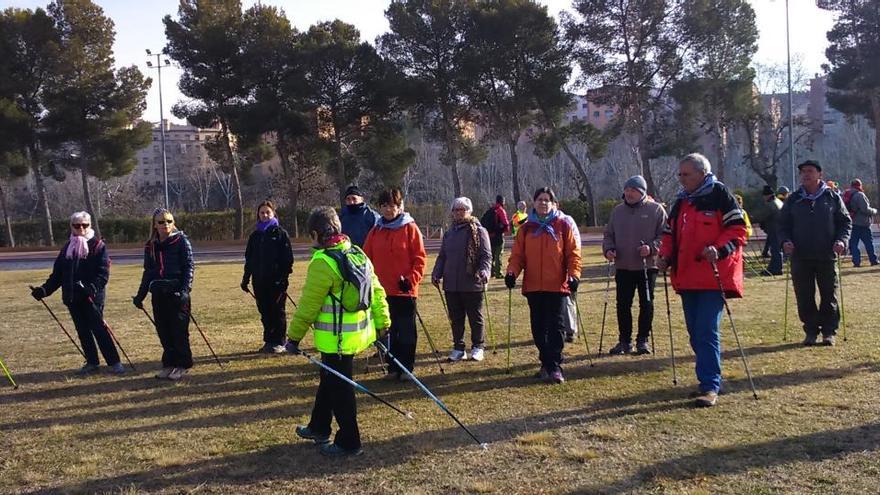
[
  {"x": 268, "y": 258},
  {"x": 82, "y": 270},
  {"x": 168, "y": 276}
]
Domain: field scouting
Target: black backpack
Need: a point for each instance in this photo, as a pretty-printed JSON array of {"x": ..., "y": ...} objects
[
  {"x": 489, "y": 221},
  {"x": 357, "y": 273}
]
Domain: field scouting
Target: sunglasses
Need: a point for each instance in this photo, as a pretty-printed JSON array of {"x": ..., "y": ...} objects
[
  {"x": 80, "y": 225},
  {"x": 164, "y": 222}
]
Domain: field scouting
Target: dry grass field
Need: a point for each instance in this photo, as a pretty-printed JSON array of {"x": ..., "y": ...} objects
[{"x": 617, "y": 427}]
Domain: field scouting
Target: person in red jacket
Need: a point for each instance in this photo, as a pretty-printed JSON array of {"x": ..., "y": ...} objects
[
  {"x": 705, "y": 226},
  {"x": 546, "y": 251},
  {"x": 397, "y": 251}
]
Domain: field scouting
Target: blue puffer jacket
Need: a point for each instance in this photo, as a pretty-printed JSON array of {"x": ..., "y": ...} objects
[
  {"x": 357, "y": 220},
  {"x": 171, "y": 259},
  {"x": 93, "y": 272}
]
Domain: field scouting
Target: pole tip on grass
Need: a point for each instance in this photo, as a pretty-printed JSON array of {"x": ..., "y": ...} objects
[
  {"x": 409, "y": 415},
  {"x": 484, "y": 446}
]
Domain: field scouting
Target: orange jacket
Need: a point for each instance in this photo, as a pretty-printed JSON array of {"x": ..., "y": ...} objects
[
  {"x": 547, "y": 263},
  {"x": 395, "y": 253}
]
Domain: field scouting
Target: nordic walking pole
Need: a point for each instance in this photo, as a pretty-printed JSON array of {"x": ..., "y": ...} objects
[
  {"x": 785, "y": 311},
  {"x": 577, "y": 307},
  {"x": 148, "y": 316},
  {"x": 62, "y": 326},
  {"x": 191, "y": 317},
  {"x": 742, "y": 352},
  {"x": 605, "y": 309},
  {"x": 430, "y": 342},
  {"x": 8, "y": 375},
  {"x": 358, "y": 386},
  {"x": 291, "y": 300},
  {"x": 489, "y": 319},
  {"x": 113, "y": 336},
  {"x": 648, "y": 295},
  {"x": 429, "y": 394},
  {"x": 840, "y": 283},
  {"x": 669, "y": 321},
  {"x": 509, "y": 324}
]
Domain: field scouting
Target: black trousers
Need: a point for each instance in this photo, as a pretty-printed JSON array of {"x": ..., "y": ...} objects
[
  {"x": 627, "y": 283},
  {"x": 805, "y": 276},
  {"x": 335, "y": 398},
  {"x": 403, "y": 332},
  {"x": 271, "y": 303},
  {"x": 89, "y": 322},
  {"x": 497, "y": 245},
  {"x": 470, "y": 305},
  {"x": 172, "y": 324},
  {"x": 548, "y": 327}
]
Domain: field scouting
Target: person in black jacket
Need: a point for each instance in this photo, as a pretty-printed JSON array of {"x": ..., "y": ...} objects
[
  {"x": 81, "y": 270},
  {"x": 269, "y": 260},
  {"x": 168, "y": 276}
]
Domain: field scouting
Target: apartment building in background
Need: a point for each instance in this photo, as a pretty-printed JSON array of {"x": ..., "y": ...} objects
[{"x": 184, "y": 150}]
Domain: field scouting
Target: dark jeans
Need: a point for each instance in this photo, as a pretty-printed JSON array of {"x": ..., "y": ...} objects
[
  {"x": 468, "y": 304},
  {"x": 403, "y": 332},
  {"x": 89, "y": 322},
  {"x": 172, "y": 324},
  {"x": 497, "y": 244},
  {"x": 862, "y": 233},
  {"x": 548, "y": 327},
  {"x": 805, "y": 276},
  {"x": 271, "y": 304},
  {"x": 774, "y": 248},
  {"x": 335, "y": 397},
  {"x": 627, "y": 283}
]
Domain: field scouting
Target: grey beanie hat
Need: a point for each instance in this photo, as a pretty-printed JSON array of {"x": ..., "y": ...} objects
[
  {"x": 637, "y": 182},
  {"x": 462, "y": 202}
]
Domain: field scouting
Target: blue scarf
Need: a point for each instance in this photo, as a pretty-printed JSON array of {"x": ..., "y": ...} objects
[
  {"x": 813, "y": 197},
  {"x": 544, "y": 225},
  {"x": 398, "y": 222},
  {"x": 264, "y": 226},
  {"x": 704, "y": 189}
]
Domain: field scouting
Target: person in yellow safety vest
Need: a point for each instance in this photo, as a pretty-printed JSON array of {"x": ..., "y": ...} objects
[
  {"x": 324, "y": 301},
  {"x": 520, "y": 217},
  {"x": 739, "y": 201}
]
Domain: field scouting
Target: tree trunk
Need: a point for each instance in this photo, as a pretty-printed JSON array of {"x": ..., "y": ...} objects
[
  {"x": 514, "y": 168},
  {"x": 291, "y": 177},
  {"x": 451, "y": 160},
  {"x": 875, "y": 107},
  {"x": 720, "y": 150},
  {"x": 6, "y": 218},
  {"x": 87, "y": 198},
  {"x": 42, "y": 202},
  {"x": 238, "y": 230},
  {"x": 646, "y": 163},
  {"x": 588, "y": 188}
]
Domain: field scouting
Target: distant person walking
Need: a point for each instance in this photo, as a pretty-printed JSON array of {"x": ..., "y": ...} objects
[
  {"x": 520, "y": 217},
  {"x": 769, "y": 217},
  {"x": 632, "y": 241},
  {"x": 463, "y": 266},
  {"x": 357, "y": 218},
  {"x": 495, "y": 221},
  {"x": 862, "y": 215},
  {"x": 268, "y": 261},
  {"x": 815, "y": 227},
  {"x": 82, "y": 270}
]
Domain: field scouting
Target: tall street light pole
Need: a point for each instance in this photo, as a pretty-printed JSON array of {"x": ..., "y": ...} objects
[
  {"x": 790, "y": 105},
  {"x": 159, "y": 65}
]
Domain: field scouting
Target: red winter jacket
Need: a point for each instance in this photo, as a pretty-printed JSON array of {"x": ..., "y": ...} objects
[
  {"x": 714, "y": 219},
  {"x": 396, "y": 249}
]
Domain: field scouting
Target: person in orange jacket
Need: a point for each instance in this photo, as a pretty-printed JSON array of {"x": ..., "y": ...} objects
[
  {"x": 546, "y": 251},
  {"x": 396, "y": 248}
]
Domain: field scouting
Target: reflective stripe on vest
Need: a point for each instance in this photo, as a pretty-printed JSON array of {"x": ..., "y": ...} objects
[{"x": 338, "y": 331}]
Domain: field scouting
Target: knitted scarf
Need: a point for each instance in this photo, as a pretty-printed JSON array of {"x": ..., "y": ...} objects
[
  {"x": 78, "y": 246},
  {"x": 472, "y": 224},
  {"x": 264, "y": 226}
]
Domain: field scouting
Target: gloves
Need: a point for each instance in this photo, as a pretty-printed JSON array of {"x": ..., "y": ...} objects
[
  {"x": 292, "y": 347},
  {"x": 244, "y": 285},
  {"x": 483, "y": 276},
  {"x": 282, "y": 285},
  {"x": 662, "y": 264},
  {"x": 510, "y": 280},
  {"x": 138, "y": 302},
  {"x": 573, "y": 284},
  {"x": 86, "y": 291},
  {"x": 404, "y": 285},
  {"x": 38, "y": 293}
]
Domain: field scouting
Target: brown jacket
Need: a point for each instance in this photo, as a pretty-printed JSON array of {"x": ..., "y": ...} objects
[{"x": 628, "y": 227}]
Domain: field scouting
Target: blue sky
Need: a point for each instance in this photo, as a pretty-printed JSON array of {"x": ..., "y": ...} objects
[{"x": 139, "y": 26}]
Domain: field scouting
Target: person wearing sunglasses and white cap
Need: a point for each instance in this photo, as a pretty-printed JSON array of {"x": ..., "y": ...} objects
[{"x": 82, "y": 270}]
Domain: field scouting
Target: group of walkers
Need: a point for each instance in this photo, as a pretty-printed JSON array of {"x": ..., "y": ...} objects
[{"x": 362, "y": 282}]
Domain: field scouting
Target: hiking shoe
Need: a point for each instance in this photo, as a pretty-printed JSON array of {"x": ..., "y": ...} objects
[
  {"x": 177, "y": 373},
  {"x": 556, "y": 377},
  {"x": 810, "y": 340},
  {"x": 569, "y": 337},
  {"x": 278, "y": 349},
  {"x": 620, "y": 349},
  {"x": 706, "y": 399},
  {"x": 542, "y": 374},
  {"x": 696, "y": 393},
  {"x": 307, "y": 433},
  {"x": 828, "y": 340},
  {"x": 333, "y": 450},
  {"x": 457, "y": 355},
  {"x": 477, "y": 354},
  {"x": 266, "y": 349},
  {"x": 163, "y": 374},
  {"x": 642, "y": 348},
  {"x": 392, "y": 376},
  {"x": 88, "y": 369},
  {"x": 117, "y": 369}
]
